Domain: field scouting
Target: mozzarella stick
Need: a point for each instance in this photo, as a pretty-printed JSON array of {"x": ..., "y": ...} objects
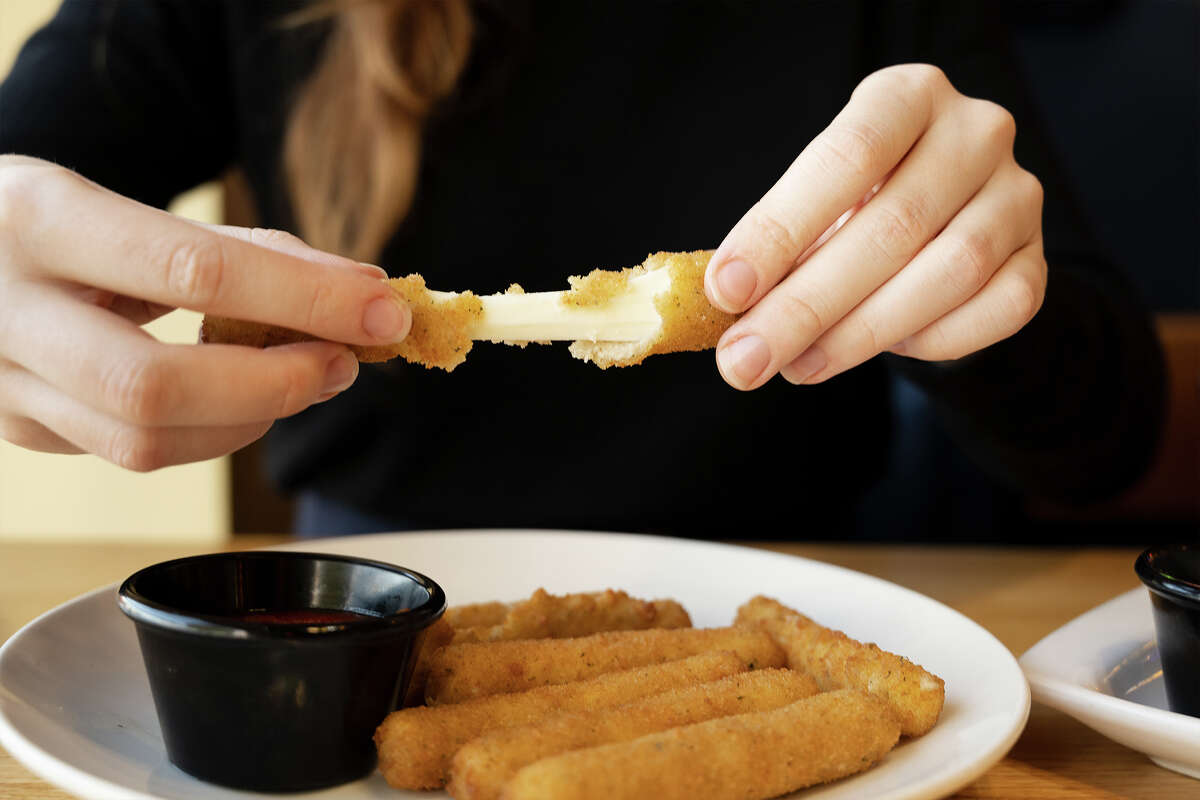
[
  {"x": 483, "y": 766},
  {"x": 416, "y": 744},
  {"x": 475, "y": 615},
  {"x": 462, "y": 671},
  {"x": 437, "y": 636},
  {"x": 613, "y": 318},
  {"x": 836, "y": 661},
  {"x": 744, "y": 757},
  {"x": 542, "y": 616},
  {"x": 547, "y": 616}
]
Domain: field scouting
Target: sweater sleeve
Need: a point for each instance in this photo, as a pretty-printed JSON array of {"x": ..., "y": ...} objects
[
  {"x": 133, "y": 94},
  {"x": 1071, "y": 407}
]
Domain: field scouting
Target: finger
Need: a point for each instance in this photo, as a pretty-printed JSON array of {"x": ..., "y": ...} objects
[
  {"x": 289, "y": 243},
  {"x": 106, "y": 362},
  {"x": 943, "y": 171},
  {"x": 142, "y": 252},
  {"x": 887, "y": 113},
  {"x": 137, "y": 311},
  {"x": 1000, "y": 219},
  {"x": 134, "y": 447},
  {"x": 31, "y": 435},
  {"x": 1001, "y": 308}
]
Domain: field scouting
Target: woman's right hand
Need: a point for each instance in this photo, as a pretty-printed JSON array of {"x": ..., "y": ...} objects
[{"x": 81, "y": 268}]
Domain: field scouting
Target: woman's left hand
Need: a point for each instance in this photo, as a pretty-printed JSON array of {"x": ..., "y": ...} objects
[{"x": 905, "y": 226}]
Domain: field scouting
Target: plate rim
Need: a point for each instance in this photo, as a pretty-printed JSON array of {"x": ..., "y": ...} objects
[
  {"x": 45, "y": 765},
  {"x": 1076, "y": 700},
  {"x": 54, "y": 770}
]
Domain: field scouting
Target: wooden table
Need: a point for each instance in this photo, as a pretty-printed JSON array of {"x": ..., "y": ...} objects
[{"x": 1020, "y": 595}]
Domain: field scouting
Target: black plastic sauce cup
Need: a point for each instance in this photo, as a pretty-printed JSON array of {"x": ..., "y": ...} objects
[
  {"x": 1172, "y": 574},
  {"x": 252, "y": 703}
]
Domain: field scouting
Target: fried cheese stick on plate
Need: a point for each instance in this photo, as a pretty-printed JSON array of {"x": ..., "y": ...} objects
[
  {"x": 474, "y": 615},
  {"x": 543, "y": 616},
  {"x": 483, "y": 766},
  {"x": 460, "y": 672},
  {"x": 745, "y": 757},
  {"x": 416, "y": 744},
  {"x": 548, "y": 616},
  {"x": 613, "y": 318},
  {"x": 836, "y": 661},
  {"x": 437, "y": 636}
]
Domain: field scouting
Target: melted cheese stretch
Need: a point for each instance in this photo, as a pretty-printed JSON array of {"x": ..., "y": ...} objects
[
  {"x": 612, "y": 318},
  {"x": 629, "y": 315}
]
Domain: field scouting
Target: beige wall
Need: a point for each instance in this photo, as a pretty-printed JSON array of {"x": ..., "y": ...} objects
[{"x": 52, "y": 496}]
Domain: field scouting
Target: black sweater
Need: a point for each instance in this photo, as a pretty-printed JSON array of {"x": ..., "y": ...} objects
[{"x": 588, "y": 134}]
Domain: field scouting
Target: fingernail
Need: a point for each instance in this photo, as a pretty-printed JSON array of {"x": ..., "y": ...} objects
[
  {"x": 734, "y": 283},
  {"x": 339, "y": 374},
  {"x": 384, "y": 318},
  {"x": 743, "y": 360},
  {"x": 371, "y": 270},
  {"x": 810, "y": 362}
]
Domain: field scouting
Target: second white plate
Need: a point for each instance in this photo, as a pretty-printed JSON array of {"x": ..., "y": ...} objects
[
  {"x": 76, "y": 709},
  {"x": 1103, "y": 669}
]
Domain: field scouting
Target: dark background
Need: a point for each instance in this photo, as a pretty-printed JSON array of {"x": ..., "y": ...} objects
[{"x": 1117, "y": 85}]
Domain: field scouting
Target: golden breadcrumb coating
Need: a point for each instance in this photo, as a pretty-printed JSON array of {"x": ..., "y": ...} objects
[
  {"x": 441, "y": 328},
  {"x": 440, "y": 335},
  {"x": 598, "y": 286},
  {"x": 836, "y": 661},
  {"x": 463, "y": 671},
  {"x": 416, "y": 745},
  {"x": 548, "y": 616},
  {"x": 689, "y": 321},
  {"x": 482, "y": 767},
  {"x": 437, "y": 636},
  {"x": 542, "y": 616},
  {"x": 473, "y": 615},
  {"x": 745, "y": 757}
]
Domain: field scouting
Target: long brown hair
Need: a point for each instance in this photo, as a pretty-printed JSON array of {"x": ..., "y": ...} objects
[{"x": 353, "y": 143}]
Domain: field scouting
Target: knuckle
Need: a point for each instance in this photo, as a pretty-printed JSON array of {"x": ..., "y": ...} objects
[
  {"x": 900, "y": 226},
  {"x": 775, "y": 232},
  {"x": 923, "y": 77},
  {"x": 942, "y": 344},
  {"x": 851, "y": 149},
  {"x": 139, "y": 390},
  {"x": 138, "y": 449},
  {"x": 867, "y": 336},
  {"x": 908, "y": 79},
  {"x": 195, "y": 270},
  {"x": 935, "y": 344},
  {"x": 1023, "y": 298},
  {"x": 319, "y": 305},
  {"x": 997, "y": 122},
  {"x": 20, "y": 188},
  {"x": 295, "y": 395},
  {"x": 272, "y": 238},
  {"x": 803, "y": 315},
  {"x": 969, "y": 261},
  {"x": 1031, "y": 188}
]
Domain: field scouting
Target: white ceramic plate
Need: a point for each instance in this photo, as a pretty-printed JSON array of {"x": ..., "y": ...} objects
[
  {"x": 1103, "y": 669},
  {"x": 76, "y": 709}
]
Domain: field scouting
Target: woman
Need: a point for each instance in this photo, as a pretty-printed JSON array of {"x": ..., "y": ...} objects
[{"x": 486, "y": 143}]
